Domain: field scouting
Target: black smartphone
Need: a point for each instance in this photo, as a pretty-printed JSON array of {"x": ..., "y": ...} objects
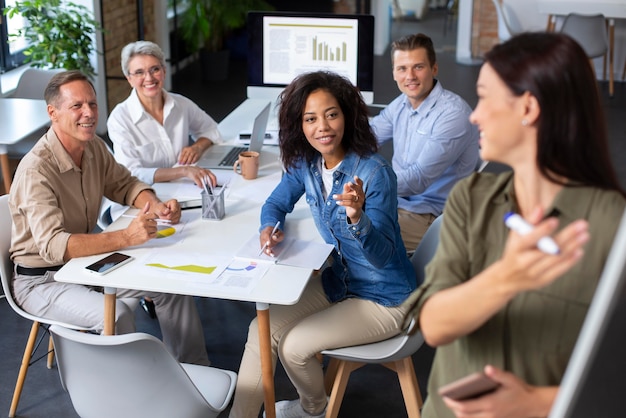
[
  {"x": 471, "y": 386},
  {"x": 109, "y": 263}
]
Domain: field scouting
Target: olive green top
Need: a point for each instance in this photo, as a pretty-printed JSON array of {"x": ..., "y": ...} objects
[{"x": 534, "y": 334}]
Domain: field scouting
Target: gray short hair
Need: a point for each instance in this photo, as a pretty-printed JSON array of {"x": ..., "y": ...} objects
[{"x": 141, "y": 48}]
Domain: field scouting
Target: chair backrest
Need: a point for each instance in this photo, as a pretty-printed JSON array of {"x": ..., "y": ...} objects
[
  {"x": 6, "y": 265},
  {"x": 33, "y": 82},
  {"x": 125, "y": 375},
  {"x": 589, "y": 31},
  {"x": 426, "y": 249},
  {"x": 508, "y": 24}
]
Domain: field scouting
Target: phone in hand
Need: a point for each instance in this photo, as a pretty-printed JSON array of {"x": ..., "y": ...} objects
[
  {"x": 109, "y": 263},
  {"x": 471, "y": 386}
]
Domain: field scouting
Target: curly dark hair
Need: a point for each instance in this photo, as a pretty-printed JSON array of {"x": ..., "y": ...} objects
[{"x": 358, "y": 136}]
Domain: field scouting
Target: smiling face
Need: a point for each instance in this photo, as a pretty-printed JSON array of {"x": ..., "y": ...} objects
[
  {"x": 499, "y": 116},
  {"x": 146, "y": 76},
  {"x": 323, "y": 126},
  {"x": 414, "y": 74},
  {"x": 74, "y": 114}
]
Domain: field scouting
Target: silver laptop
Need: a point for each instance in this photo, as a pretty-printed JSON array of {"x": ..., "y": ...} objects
[{"x": 223, "y": 157}]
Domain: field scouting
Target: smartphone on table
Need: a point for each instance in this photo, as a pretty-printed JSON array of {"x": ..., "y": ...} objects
[
  {"x": 468, "y": 387},
  {"x": 109, "y": 263}
]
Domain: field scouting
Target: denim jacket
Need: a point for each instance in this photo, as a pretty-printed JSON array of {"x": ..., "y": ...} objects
[{"x": 369, "y": 260}]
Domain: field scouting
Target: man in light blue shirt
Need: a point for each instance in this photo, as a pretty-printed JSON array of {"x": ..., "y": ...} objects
[{"x": 434, "y": 144}]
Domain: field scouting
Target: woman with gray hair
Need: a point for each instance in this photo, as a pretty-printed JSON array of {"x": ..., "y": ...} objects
[{"x": 150, "y": 130}]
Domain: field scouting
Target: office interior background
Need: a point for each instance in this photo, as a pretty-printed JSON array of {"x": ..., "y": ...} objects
[{"x": 460, "y": 41}]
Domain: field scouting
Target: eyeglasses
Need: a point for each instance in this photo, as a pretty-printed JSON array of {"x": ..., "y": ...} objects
[{"x": 156, "y": 70}]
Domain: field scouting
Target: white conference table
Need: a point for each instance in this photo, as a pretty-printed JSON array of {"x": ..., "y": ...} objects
[
  {"x": 611, "y": 9},
  {"x": 18, "y": 119},
  {"x": 280, "y": 285}
]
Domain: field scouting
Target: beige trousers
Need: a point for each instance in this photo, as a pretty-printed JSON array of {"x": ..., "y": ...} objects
[
  {"x": 413, "y": 226},
  {"x": 298, "y": 333}
]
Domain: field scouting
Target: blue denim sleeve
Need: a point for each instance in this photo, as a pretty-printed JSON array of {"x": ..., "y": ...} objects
[
  {"x": 282, "y": 199},
  {"x": 377, "y": 231}
]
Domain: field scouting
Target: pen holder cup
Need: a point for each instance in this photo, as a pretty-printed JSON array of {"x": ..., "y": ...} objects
[{"x": 213, "y": 206}]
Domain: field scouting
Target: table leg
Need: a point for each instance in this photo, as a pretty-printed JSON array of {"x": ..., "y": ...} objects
[
  {"x": 611, "y": 44},
  {"x": 109, "y": 311},
  {"x": 263, "y": 318},
  {"x": 6, "y": 171},
  {"x": 551, "y": 23}
]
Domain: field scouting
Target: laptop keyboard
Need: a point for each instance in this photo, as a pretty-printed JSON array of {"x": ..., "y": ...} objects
[{"x": 232, "y": 156}]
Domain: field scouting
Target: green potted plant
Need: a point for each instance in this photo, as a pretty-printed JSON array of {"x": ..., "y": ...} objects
[
  {"x": 59, "y": 34},
  {"x": 205, "y": 24}
]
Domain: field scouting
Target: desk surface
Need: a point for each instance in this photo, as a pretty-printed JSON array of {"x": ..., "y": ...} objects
[
  {"x": 281, "y": 285},
  {"x": 611, "y": 9},
  {"x": 21, "y": 117}
]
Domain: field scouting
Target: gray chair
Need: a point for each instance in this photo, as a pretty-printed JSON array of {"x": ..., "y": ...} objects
[
  {"x": 6, "y": 274},
  {"x": 133, "y": 375},
  {"x": 394, "y": 353},
  {"x": 508, "y": 24},
  {"x": 590, "y": 31}
]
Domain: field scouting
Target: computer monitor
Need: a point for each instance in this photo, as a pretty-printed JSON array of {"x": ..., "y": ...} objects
[
  {"x": 593, "y": 385},
  {"x": 282, "y": 45}
]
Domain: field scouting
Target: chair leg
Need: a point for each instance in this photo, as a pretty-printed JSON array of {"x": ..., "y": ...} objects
[
  {"x": 21, "y": 377},
  {"x": 50, "y": 352},
  {"x": 344, "y": 368},
  {"x": 410, "y": 387},
  {"x": 330, "y": 375}
]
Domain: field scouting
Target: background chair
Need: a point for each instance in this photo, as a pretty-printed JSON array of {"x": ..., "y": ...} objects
[
  {"x": 450, "y": 18},
  {"x": 590, "y": 31},
  {"x": 6, "y": 273},
  {"x": 31, "y": 85},
  {"x": 134, "y": 375},
  {"x": 508, "y": 24},
  {"x": 394, "y": 353}
]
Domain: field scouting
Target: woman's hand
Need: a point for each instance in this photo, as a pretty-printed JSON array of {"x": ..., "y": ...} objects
[
  {"x": 190, "y": 154},
  {"x": 198, "y": 174},
  {"x": 514, "y": 399},
  {"x": 268, "y": 240},
  {"x": 353, "y": 198},
  {"x": 528, "y": 267}
]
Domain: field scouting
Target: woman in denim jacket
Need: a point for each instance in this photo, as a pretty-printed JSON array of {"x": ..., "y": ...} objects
[{"x": 329, "y": 154}]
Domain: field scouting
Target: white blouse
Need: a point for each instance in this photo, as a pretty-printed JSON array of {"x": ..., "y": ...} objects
[{"x": 143, "y": 145}]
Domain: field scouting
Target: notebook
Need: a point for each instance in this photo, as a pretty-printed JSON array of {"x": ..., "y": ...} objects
[
  {"x": 223, "y": 157},
  {"x": 289, "y": 252}
]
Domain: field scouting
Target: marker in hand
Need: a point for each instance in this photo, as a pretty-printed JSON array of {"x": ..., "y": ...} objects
[
  {"x": 268, "y": 243},
  {"x": 519, "y": 225}
]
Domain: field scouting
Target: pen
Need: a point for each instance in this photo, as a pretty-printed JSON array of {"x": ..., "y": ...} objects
[
  {"x": 158, "y": 220},
  {"x": 268, "y": 243},
  {"x": 519, "y": 225},
  {"x": 206, "y": 184}
]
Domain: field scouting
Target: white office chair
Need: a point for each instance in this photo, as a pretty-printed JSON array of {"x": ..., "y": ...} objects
[
  {"x": 590, "y": 31},
  {"x": 394, "y": 353},
  {"x": 508, "y": 24},
  {"x": 6, "y": 274},
  {"x": 133, "y": 375},
  {"x": 31, "y": 85}
]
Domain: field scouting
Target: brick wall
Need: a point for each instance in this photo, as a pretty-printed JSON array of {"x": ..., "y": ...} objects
[
  {"x": 484, "y": 27},
  {"x": 119, "y": 19}
]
